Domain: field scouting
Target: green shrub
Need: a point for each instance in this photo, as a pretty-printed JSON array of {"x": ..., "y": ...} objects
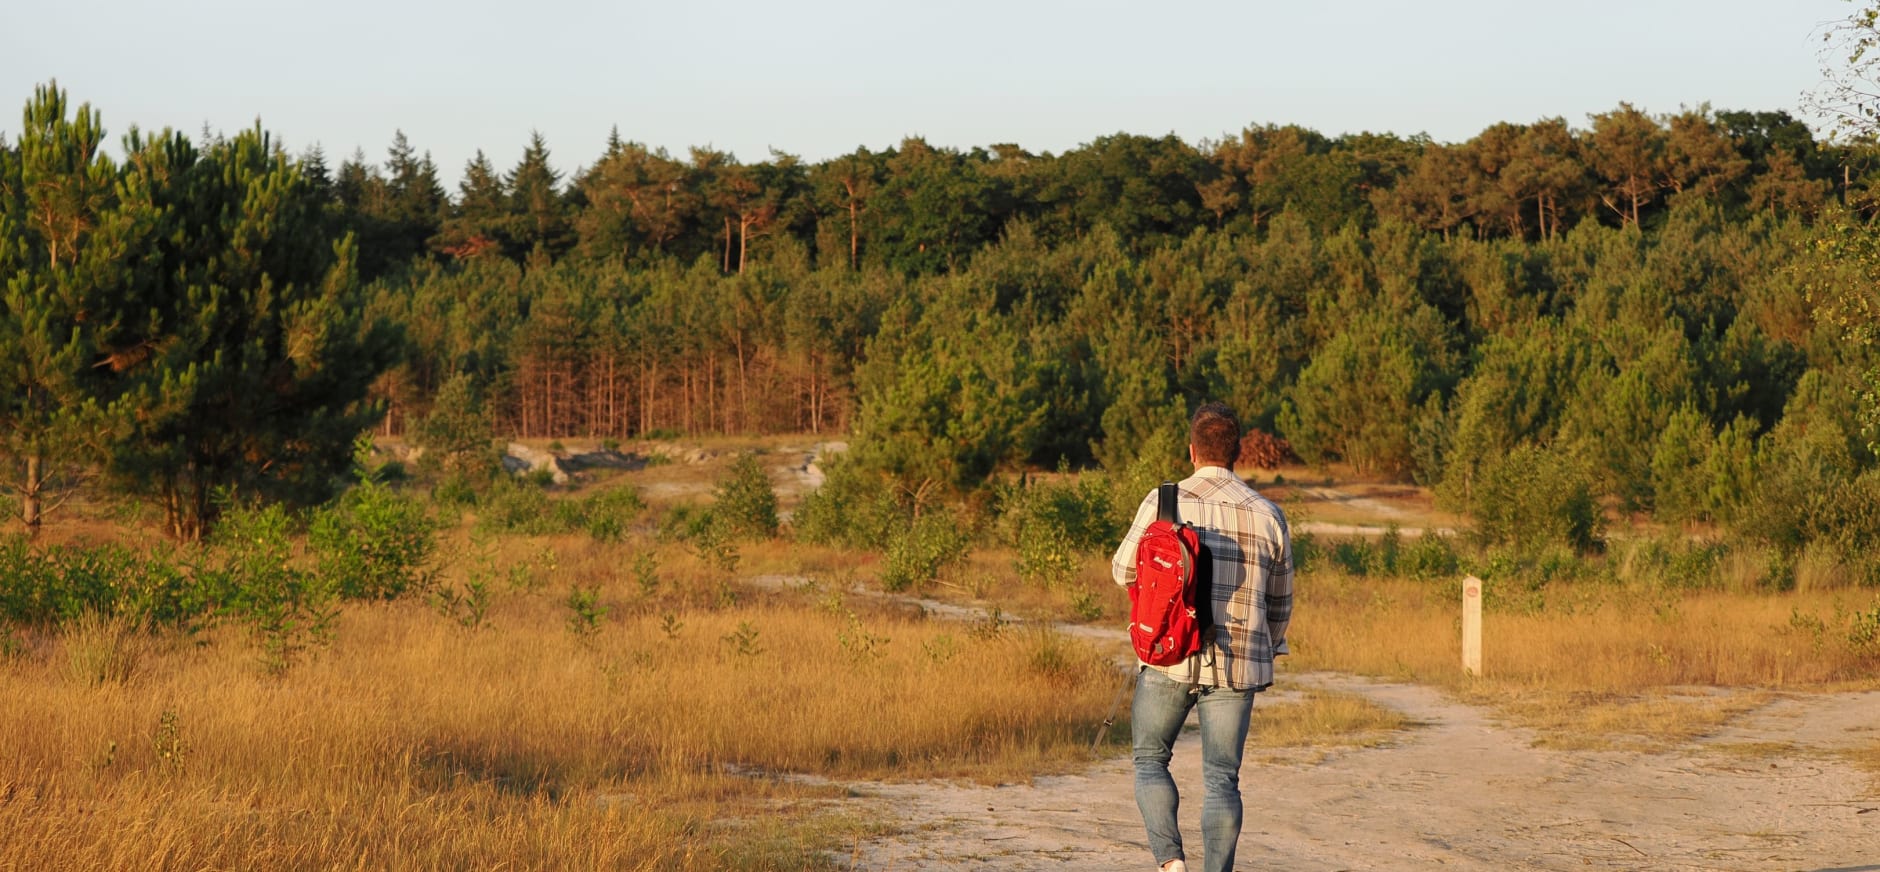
[
  {"x": 746, "y": 505},
  {"x": 458, "y": 434},
  {"x": 1047, "y": 555},
  {"x": 373, "y": 543},
  {"x": 1535, "y": 496},
  {"x": 916, "y": 555},
  {"x": 584, "y": 610},
  {"x": 1430, "y": 557},
  {"x": 56, "y": 585},
  {"x": 287, "y": 610},
  {"x": 607, "y": 515},
  {"x": 1083, "y": 511},
  {"x": 1670, "y": 562},
  {"x": 852, "y": 508},
  {"x": 455, "y": 489},
  {"x": 515, "y": 507}
]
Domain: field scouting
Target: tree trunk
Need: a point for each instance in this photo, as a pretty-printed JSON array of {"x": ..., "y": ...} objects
[
  {"x": 744, "y": 397},
  {"x": 30, "y": 495},
  {"x": 855, "y": 236},
  {"x": 744, "y": 237}
]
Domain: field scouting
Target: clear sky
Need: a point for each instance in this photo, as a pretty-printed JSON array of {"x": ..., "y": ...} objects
[{"x": 820, "y": 77}]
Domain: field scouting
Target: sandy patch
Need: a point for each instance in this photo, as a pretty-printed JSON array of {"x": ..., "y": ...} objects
[{"x": 1458, "y": 792}]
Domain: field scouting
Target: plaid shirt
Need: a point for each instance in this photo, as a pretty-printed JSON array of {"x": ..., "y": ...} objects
[{"x": 1253, "y": 576}]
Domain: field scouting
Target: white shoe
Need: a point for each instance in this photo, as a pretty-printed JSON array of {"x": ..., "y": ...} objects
[{"x": 1175, "y": 866}]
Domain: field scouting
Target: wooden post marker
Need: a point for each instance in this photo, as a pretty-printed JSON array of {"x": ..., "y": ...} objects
[{"x": 1472, "y": 625}]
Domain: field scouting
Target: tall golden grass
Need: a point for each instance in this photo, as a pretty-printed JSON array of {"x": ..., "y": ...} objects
[
  {"x": 1590, "y": 664},
  {"x": 413, "y": 742}
]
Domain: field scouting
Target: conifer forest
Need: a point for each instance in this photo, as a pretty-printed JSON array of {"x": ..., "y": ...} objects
[{"x": 1666, "y": 316}]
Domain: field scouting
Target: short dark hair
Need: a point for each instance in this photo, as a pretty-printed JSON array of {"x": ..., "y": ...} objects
[{"x": 1215, "y": 434}]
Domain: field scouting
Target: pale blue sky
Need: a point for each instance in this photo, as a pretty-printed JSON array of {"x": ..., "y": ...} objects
[{"x": 819, "y": 77}]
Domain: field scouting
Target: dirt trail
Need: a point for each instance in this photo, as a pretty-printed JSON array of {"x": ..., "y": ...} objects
[{"x": 1458, "y": 792}]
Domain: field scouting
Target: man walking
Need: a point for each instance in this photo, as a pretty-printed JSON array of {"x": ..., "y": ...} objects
[{"x": 1251, "y": 595}]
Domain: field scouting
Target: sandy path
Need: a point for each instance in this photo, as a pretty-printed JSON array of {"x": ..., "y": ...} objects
[{"x": 1459, "y": 792}]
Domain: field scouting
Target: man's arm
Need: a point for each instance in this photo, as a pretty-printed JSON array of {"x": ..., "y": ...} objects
[
  {"x": 1123, "y": 563},
  {"x": 1279, "y": 591}
]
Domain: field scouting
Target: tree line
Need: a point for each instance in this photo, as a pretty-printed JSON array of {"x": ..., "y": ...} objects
[{"x": 1624, "y": 306}]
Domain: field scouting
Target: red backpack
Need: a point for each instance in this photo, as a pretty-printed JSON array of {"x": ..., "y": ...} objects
[{"x": 1169, "y": 603}]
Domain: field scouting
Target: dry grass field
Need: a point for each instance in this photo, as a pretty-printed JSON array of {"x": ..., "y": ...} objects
[
  {"x": 1592, "y": 665},
  {"x": 414, "y": 742},
  {"x": 691, "y": 721}
]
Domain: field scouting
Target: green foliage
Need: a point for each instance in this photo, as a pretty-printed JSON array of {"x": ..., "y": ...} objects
[
  {"x": 242, "y": 360},
  {"x": 1670, "y": 562},
  {"x": 1415, "y": 309},
  {"x": 1051, "y": 524},
  {"x": 373, "y": 543},
  {"x": 288, "y": 610},
  {"x": 468, "y": 606},
  {"x": 584, "y": 610},
  {"x": 1082, "y": 509},
  {"x": 853, "y": 508},
  {"x": 66, "y": 254},
  {"x": 1537, "y": 497},
  {"x": 607, "y": 514},
  {"x": 1430, "y": 557},
  {"x": 919, "y": 551},
  {"x": 1359, "y": 397},
  {"x": 517, "y": 507},
  {"x": 1863, "y": 632},
  {"x": 1698, "y": 476},
  {"x": 745, "y": 504},
  {"x": 714, "y": 545},
  {"x": 1046, "y": 556},
  {"x": 50, "y": 586},
  {"x": 457, "y": 435},
  {"x": 860, "y": 645},
  {"x": 741, "y": 643},
  {"x": 646, "y": 573}
]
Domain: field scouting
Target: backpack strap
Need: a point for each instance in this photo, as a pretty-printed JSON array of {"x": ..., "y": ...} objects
[{"x": 1167, "y": 499}]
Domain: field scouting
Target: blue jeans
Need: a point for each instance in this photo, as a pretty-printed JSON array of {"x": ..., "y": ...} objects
[{"x": 1156, "y": 716}]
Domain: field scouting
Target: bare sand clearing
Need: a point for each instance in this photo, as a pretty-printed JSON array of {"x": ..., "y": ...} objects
[{"x": 1457, "y": 792}]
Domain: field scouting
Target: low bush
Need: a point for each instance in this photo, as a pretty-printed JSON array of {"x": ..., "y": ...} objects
[
  {"x": 374, "y": 543},
  {"x": 853, "y": 508},
  {"x": 745, "y": 504},
  {"x": 55, "y": 585},
  {"x": 524, "y": 509},
  {"x": 1082, "y": 511},
  {"x": 516, "y": 507},
  {"x": 288, "y": 610},
  {"x": 916, "y": 555}
]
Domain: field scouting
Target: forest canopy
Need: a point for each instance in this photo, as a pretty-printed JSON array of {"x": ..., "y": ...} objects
[{"x": 1652, "y": 310}]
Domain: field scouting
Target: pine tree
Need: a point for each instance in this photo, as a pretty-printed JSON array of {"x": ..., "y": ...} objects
[
  {"x": 63, "y": 251},
  {"x": 539, "y": 221},
  {"x": 478, "y": 223},
  {"x": 416, "y": 205},
  {"x": 258, "y": 360}
]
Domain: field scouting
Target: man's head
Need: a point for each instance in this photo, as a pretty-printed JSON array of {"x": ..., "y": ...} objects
[{"x": 1214, "y": 436}]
